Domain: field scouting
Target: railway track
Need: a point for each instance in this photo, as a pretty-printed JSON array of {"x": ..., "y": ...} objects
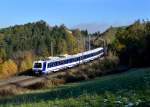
[
  {"x": 20, "y": 81},
  {"x": 25, "y": 81}
]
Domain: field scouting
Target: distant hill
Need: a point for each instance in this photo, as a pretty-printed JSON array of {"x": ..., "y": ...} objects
[
  {"x": 92, "y": 27},
  {"x": 108, "y": 36}
]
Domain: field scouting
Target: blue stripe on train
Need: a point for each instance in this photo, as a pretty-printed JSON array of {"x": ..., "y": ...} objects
[{"x": 44, "y": 66}]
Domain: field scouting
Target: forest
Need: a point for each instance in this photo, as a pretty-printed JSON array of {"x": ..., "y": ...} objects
[
  {"x": 21, "y": 44},
  {"x": 130, "y": 43}
]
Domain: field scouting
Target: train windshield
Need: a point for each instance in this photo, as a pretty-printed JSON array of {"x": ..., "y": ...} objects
[{"x": 38, "y": 65}]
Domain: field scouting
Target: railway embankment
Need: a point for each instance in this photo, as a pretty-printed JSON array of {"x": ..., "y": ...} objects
[{"x": 27, "y": 82}]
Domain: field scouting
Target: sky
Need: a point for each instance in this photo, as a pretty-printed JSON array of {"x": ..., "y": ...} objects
[{"x": 73, "y": 12}]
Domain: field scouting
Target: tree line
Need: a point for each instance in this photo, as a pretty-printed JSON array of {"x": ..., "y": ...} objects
[
  {"x": 131, "y": 44},
  {"x": 24, "y": 43},
  {"x": 37, "y": 37}
]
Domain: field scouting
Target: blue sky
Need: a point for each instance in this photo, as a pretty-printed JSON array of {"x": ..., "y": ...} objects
[{"x": 73, "y": 12}]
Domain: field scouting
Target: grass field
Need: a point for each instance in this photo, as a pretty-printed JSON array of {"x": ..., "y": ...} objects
[{"x": 128, "y": 89}]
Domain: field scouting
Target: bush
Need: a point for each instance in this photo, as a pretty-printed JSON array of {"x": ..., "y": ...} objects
[
  {"x": 26, "y": 63},
  {"x": 74, "y": 76},
  {"x": 90, "y": 70},
  {"x": 40, "y": 85},
  {"x": 57, "y": 81},
  {"x": 8, "y": 68},
  {"x": 109, "y": 63}
]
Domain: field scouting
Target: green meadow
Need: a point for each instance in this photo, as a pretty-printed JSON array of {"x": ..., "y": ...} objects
[{"x": 131, "y": 88}]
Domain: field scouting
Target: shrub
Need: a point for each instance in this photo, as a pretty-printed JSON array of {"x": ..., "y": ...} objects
[
  {"x": 109, "y": 63},
  {"x": 90, "y": 70},
  {"x": 57, "y": 81},
  {"x": 26, "y": 63},
  {"x": 8, "y": 68},
  {"x": 39, "y": 85}
]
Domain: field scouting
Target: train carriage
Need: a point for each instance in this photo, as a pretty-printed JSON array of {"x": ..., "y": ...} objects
[{"x": 57, "y": 63}]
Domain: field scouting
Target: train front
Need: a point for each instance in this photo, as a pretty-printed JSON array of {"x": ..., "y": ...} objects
[{"x": 39, "y": 67}]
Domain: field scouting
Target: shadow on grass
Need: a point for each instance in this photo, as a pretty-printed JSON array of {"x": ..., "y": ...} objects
[{"x": 131, "y": 81}]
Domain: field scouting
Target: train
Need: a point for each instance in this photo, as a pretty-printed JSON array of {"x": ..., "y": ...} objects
[{"x": 54, "y": 64}]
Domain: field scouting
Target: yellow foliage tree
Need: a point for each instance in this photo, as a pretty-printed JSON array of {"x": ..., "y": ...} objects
[
  {"x": 26, "y": 62},
  {"x": 8, "y": 68},
  {"x": 72, "y": 43}
]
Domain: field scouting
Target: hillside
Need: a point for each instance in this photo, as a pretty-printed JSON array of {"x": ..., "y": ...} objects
[
  {"x": 129, "y": 88},
  {"x": 20, "y": 45},
  {"x": 130, "y": 43},
  {"x": 37, "y": 37}
]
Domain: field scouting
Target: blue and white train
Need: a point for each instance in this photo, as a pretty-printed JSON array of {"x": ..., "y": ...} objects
[{"x": 54, "y": 64}]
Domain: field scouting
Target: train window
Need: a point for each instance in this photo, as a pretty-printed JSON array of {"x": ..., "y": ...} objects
[
  {"x": 75, "y": 59},
  {"x": 48, "y": 65},
  {"x": 59, "y": 62},
  {"x": 71, "y": 60},
  {"x": 65, "y": 61},
  {"x": 78, "y": 58},
  {"x": 90, "y": 55},
  {"x": 38, "y": 65},
  {"x": 68, "y": 60},
  {"x": 86, "y": 56},
  {"x": 55, "y": 63},
  {"x": 62, "y": 62},
  {"x": 51, "y": 64}
]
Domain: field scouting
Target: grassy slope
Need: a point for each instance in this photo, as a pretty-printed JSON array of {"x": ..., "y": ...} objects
[{"x": 131, "y": 87}]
